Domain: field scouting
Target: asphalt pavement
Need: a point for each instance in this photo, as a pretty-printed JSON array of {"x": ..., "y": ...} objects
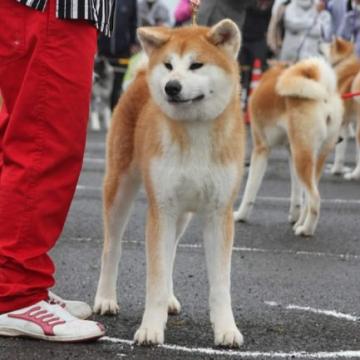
[{"x": 293, "y": 298}]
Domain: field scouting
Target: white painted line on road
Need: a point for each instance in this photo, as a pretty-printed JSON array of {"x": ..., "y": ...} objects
[
  {"x": 259, "y": 250},
  {"x": 346, "y": 354},
  {"x": 243, "y": 249},
  {"x": 332, "y": 313},
  {"x": 325, "y": 201},
  {"x": 261, "y": 198},
  {"x": 94, "y": 160},
  {"x": 89, "y": 188},
  {"x": 329, "y": 166}
]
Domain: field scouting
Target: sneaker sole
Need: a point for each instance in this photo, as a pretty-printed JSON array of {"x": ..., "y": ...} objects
[{"x": 18, "y": 333}]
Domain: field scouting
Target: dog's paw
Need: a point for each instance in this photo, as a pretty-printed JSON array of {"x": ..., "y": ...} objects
[
  {"x": 106, "y": 306},
  {"x": 303, "y": 231},
  {"x": 149, "y": 335},
  {"x": 297, "y": 225},
  {"x": 174, "y": 306},
  {"x": 240, "y": 216},
  {"x": 337, "y": 170},
  {"x": 231, "y": 338},
  {"x": 293, "y": 216},
  {"x": 354, "y": 175}
]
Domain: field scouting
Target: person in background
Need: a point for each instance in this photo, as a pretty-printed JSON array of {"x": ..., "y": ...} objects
[
  {"x": 276, "y": 30},
  {"x": 306, "y": 26},
  {"x": 121, "y": 45},
  {"x": 183, "y": 13},
  {"x": 46, "y": 64},
  {"x": 337, "y": 10},
  {"x": 276, "y": 5},
  {"x": 350, "y": 26},
  {"x": 153, "y": 13},
  {"x": 212, "y": 11},
  {"x": 254, "y": 44}
]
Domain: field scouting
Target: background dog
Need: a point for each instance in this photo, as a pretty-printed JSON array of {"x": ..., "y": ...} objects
[
  {"x": 178, "y": 129},
  {"x": 100, "y": 111},
  {"x": 298, "y": 107},
  {"x": 347, "y": 67}
]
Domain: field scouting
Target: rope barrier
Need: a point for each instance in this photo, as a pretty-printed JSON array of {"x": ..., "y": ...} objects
[{"x": 348, "y": 96}]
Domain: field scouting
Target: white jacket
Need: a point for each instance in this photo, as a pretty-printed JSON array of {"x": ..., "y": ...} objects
[{"x": 305, "y": 30}]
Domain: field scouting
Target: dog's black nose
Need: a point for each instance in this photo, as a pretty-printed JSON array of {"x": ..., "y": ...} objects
[{"x": 173, "y": 88}]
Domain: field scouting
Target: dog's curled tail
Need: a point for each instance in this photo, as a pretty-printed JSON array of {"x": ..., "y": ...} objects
[{"x": 312, "y": 79}]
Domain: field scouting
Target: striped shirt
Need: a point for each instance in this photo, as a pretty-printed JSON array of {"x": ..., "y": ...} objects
[{"x": 100, "y": 12}]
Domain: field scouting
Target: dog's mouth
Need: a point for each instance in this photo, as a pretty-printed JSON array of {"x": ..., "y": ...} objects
[{"x": 177, "y": 100}]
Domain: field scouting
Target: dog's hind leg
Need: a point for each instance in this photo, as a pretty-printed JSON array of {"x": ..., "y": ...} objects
[
  {"x": 340, "y": 151},
  {"x": 107, "y": 117},
  {"x": 321, "y": 159},
  {"x": 296, "y": 198},
  {"x": 305, "y": 165},
  {"x": 119, "y": 194},
  {"x": 258, "y": 165},
  {"x": 218, "y": 242},
  {"x": 355, "y": 174},
  {"x": 174, "y": 306},
  {"x": 95, "y": 120}
]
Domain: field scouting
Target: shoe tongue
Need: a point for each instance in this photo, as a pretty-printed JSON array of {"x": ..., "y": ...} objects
[
  {"x": 58, "y": 311},
  {"x": 54, "y": 301}
]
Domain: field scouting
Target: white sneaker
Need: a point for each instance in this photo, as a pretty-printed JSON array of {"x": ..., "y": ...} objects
[
  {"x": 49, "y": 322},
  {"x": 79, "y": 309}
]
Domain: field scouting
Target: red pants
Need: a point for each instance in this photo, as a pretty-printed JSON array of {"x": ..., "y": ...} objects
[{"x": 45, "y": 80}]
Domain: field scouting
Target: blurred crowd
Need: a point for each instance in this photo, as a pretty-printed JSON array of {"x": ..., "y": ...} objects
[{"x": 285, "y": 30}]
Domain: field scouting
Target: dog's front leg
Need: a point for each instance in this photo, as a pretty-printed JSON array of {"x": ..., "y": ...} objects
[
  {"x": 218, "y": 240},
  {"x": 160, "y": 244},
  {"x": 174, "y": 305}
]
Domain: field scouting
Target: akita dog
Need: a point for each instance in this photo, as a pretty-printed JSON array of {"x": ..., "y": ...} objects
[
  {"x": 178, "y": 129},
  {"x": 299, "y": 107},
  {"x": 347, "y": 67}
]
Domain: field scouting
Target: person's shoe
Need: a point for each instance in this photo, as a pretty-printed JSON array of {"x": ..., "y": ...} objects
[
  {"x": 49, "y": 322},
  {"x": 79, "y": 309}
]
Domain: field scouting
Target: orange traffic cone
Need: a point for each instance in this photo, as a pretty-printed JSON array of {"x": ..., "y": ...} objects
[{"x": 255, "y": 79}]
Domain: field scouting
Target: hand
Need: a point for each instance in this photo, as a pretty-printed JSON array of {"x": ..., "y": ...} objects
[
  {"x": 134, "y": 48},
  {"x": 195, "y": 2}
]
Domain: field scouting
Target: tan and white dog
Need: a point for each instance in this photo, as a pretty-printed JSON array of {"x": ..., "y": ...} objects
[
  {"x": 178, "y": 129},
  {"x": 347, "y": 67},
  {"x": 299, "y": 107}
]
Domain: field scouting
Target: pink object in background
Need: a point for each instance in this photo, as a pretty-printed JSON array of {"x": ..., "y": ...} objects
[{"x": 183, "y": 11}]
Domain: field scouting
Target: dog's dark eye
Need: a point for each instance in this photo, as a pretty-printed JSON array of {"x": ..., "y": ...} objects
[
  {"x": 168, "y": 66},
  {"x": 195, "y": 66}
]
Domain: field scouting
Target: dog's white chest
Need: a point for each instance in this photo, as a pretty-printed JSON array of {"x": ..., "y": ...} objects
[{"x": 191, "y": 180}]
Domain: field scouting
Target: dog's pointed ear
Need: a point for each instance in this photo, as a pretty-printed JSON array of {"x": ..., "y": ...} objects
[
  {"x": 226, "y": 35},
  {"x": 337, "y": 41},
  {"x": 152, "y": 38}
]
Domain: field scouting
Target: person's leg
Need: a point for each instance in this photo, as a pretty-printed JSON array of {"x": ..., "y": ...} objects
[
  {"x": 119, "y": 72},
  {"x": 45, "y": 79},
  {"x": 246, "y": 66},
  {"x": 259, "y": 51}
]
